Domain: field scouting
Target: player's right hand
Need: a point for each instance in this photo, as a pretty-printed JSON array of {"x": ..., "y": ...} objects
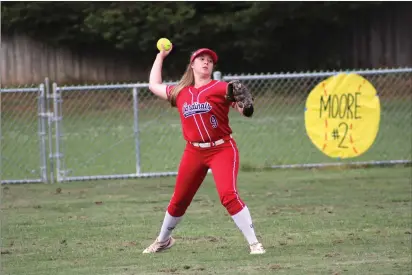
[{"x": 163, "y": 53}]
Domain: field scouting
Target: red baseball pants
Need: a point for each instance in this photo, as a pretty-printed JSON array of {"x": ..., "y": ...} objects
[{"x": 223, "y": 160}]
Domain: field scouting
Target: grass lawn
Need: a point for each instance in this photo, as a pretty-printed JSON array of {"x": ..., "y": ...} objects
[{"x": 311, "y": 222}]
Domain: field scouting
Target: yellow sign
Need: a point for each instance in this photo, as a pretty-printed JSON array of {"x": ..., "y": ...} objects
[{"x": 342, "y": 115}]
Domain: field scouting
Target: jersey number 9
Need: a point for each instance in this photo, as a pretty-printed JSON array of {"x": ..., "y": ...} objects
[{"x": 213, "y": 121}]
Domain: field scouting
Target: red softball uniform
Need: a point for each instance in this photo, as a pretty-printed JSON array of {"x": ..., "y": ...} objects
[
  {"x": 204, "y": 118},
  {"x": 203, "y": 111}
]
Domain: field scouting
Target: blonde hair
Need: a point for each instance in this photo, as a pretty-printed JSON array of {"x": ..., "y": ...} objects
[{"x": 187, "y": 79}]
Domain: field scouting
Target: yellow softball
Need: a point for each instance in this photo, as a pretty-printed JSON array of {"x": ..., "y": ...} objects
[{"x": 165, "y": 42}]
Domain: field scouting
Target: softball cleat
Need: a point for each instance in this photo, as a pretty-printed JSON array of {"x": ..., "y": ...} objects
[
  {"x": 257, "y": 248},
  {"x": 157, "y": 246}
]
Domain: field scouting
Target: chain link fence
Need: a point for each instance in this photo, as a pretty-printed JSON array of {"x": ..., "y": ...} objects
[
  {"x": 124, "y": 131},
  {"x": 23, "y": 135},
  {"x": 277, "y": 138},
  {"x": 99, "y": 132}
]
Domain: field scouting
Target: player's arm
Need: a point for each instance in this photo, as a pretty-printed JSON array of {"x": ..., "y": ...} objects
[
  {"x": 156, "y": 85},
  {"x": 238, "y": 108}
]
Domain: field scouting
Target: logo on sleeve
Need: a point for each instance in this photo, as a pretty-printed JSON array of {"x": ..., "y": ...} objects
[{"x": 195, "y": 108}]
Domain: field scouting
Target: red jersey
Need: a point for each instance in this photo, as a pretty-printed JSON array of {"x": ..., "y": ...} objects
[{"x": 203, "y": 111}]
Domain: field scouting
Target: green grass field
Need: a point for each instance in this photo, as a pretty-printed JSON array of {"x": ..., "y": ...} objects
[{"x": 311, "y": 222}]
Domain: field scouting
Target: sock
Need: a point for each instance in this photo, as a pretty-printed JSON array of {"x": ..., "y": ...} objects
[
  {"x": 169, "y": 223},
  {"x": 243, "y": 221}
]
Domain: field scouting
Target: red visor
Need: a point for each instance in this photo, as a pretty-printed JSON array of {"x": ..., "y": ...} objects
[{"x": 204, "y": 50}]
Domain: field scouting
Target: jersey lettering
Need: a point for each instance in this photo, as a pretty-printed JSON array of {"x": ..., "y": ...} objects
[{"x": 195, "y": 108}]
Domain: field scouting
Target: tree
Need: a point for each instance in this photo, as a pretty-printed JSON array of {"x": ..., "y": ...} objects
[{"x": 254, "y": 35}]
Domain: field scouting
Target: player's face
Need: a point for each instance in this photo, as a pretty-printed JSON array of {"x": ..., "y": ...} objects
[{"x": 203, "y": 65}]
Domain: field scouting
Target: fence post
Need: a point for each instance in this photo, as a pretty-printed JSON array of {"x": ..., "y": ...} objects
[
  {"x": 49, "y": 110},
  {"x": 58, "y": 155},
  {"x": 42, "y": 116},
  {"x": 136, "y": 128}
]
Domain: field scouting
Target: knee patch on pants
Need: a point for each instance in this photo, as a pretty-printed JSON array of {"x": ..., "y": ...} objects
[{"x": 232, "y": 203}]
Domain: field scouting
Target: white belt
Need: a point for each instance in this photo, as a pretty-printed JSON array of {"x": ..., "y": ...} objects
[{"x": 208, "y": 144}]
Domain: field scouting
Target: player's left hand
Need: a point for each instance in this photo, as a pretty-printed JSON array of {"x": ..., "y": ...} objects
[{"x": 239, "y": 93}]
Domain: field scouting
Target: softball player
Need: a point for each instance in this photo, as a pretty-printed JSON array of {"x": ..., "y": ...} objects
[{"x": 203, "y": 110}]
